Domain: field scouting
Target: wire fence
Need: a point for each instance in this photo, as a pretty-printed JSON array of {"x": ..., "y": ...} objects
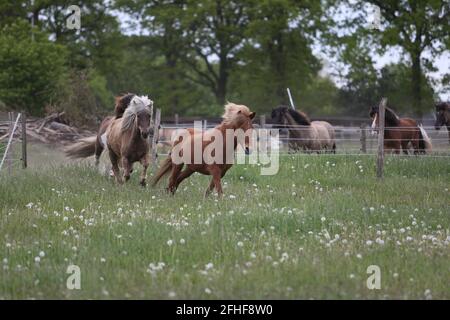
[{"x": 355, "y": 141}]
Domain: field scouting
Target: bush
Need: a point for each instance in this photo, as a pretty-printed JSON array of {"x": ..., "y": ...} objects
[{"x": 31, "y": 72}]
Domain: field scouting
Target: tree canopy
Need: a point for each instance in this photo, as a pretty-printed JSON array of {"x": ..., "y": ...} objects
[{"x": 191, "y": 56}]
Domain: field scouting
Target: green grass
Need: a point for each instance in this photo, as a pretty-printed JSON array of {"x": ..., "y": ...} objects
[{"x": 268, "y": 238}]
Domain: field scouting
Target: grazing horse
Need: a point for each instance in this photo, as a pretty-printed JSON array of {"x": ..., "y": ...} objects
[
  {"x": 443, "y": 117},
  {"x": 307, "y": 135},
  {"x": 235, "y": 117},
  {"x": 89, "y": 146},
  {"x": 127, "y": 138},
  {"x": 399, "y": 132}
]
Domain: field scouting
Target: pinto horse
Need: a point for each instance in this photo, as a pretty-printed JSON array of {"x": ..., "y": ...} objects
[
  {"x": 236, "y": 117},
  {"x": 127, "y": 139},
  {"x": 311, "y": 136},
  {"x": 95, "y": 145},
  {"x": 400, "y": 132},
  {"x": 443, "y": 117}
]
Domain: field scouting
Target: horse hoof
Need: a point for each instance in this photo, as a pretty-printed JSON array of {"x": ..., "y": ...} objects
[{"x": 143, "y": 183}]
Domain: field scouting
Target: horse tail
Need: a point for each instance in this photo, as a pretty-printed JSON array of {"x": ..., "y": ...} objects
[
  {"x": 164, "y": 170},
  {"x": 83, "y": 148},
  {"x": 424, "y": 141}
]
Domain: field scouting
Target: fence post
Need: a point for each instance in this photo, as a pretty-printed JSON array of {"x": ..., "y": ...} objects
[
  {"x": 176, "y": 119},
  {"x": 380, "y": 154},
  {"x": 363, "y": 138},
  {"x": 11, "y": 134},
  {"x": 155, "y": 138},
  {"x": 24, "y": 141},
  {"x": 205, "y": 125},
  {"x": 262, "y": 120}
]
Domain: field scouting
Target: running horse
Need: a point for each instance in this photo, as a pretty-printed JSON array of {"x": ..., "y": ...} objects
[
  {"x": 235, "y": 118},
  {"x": 94, "y": 145},
  {"x": 127, "y": 139},
  {"x": 400, "y": 132},
  {"x": 443, "y": 116},
  {"x": 311, "y": 136}
]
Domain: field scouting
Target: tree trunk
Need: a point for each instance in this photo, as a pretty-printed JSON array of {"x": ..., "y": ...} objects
[{"x": 416, "y": 84}]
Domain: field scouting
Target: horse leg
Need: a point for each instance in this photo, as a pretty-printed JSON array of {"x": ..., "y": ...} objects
[
  {"x": 115, "y": 166},
  {"x": 405, "y": 144},
  {"x": 217, "y": 174},
  {"x": 186, "y": 173},
  {"x": 127, "y": 167},
  {"x": 98, "y": 152},
  {"x": 145, "y": 163},
  {"x": 176, "y": 169},
  {"x": 210, "y": 188}
]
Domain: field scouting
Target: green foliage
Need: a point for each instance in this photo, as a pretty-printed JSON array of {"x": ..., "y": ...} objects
[
  {"x": 85, "y": 98},
  {"x": 31, "y": 72}
]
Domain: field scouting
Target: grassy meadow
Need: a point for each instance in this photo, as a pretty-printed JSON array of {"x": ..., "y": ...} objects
[{"x": 310, "y": 232}]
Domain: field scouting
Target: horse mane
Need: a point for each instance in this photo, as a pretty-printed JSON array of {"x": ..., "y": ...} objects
[
  {"x": 231, "y": 113},
  {"x": 443, "y": 106},
  {"x": 391, "y": 118},
  {"x": 300, "y": 117},
  {"x": 137, "y": 105},
  {"x": 122, "y": 103}
]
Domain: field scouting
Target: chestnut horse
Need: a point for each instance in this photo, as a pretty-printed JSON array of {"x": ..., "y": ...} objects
[
  {"x": 89, "y": 146},
  {"x": 400, "y": 132},
  {"x": 443, "y": 117},
  {"x": 127, "y": 139},
  {"x": 235, "y": 117}
]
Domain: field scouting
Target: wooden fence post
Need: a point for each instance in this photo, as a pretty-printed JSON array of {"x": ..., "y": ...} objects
[
  {"x": 380, "y": 154},
  {"x": 363, "y": 138},
  {"x": 155, "y": 138},
  {"x": 24, "y": 141},
  {"x": 8, "y": 151},
  {"x": 176, "y": 119}
]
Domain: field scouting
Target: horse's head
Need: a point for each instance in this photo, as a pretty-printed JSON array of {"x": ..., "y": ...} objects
[
  {"x": 278, "y": 117},
  {"x": 442, "y": 115},
  {"x": 139, "y": 114},
  {"x": 240, "y": 118}
]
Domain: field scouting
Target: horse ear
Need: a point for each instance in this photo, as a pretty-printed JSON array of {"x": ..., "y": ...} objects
[{"x": 252, "y": 115}]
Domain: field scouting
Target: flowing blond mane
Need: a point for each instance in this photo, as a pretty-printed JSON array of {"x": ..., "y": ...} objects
[
  {"x": 137, "y": 105},
  {"x": 231, "y": 113}
]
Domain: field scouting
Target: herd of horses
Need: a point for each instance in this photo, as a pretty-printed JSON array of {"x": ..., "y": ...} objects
[{"x": 126, "y": 137}]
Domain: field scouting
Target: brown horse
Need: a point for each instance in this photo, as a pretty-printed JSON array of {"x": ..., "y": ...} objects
[
  {"x": 443, "y": 117},
  {"x": 127, "y": 139},
  {"x": 89, "y": 146},
  {"x": 310, "y": 136},
  {"x": 400, "y": 132},
  {"x": 235, "y": 117}
]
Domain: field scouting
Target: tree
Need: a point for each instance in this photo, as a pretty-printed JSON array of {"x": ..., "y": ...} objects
[
  {"x": 31, "y": 72},
  {"x": 413, "y": 26}
]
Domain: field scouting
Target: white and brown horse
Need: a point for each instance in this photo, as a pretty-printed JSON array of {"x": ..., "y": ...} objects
[
  {"x": 399, "y": 133},
  {"x": 307, "y": 135},
  {"x": 127, "y": 139}
]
